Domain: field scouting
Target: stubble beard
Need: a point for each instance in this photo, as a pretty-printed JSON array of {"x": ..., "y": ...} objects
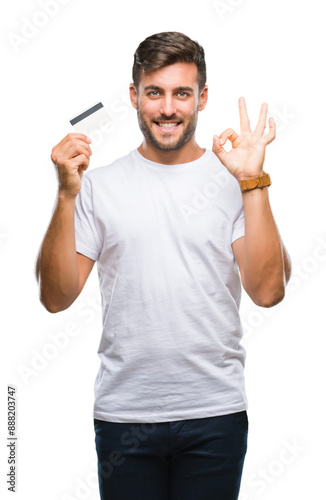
[{"x": 183, "y": 139}]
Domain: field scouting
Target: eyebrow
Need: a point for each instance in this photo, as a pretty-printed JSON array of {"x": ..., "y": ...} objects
[{"x": 179, "y": 89}]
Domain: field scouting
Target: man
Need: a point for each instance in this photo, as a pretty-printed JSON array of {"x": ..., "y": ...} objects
[{"x": 170, "y": 228}]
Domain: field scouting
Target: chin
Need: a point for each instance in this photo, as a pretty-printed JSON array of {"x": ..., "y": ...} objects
[{"x": 167, "y": 147}]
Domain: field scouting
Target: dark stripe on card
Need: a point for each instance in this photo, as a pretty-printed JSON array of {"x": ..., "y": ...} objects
[{"x": 84, "y": 115}]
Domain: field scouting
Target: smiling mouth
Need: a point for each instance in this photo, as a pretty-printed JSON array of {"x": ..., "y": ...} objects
[{"x": 168, "y": 126}]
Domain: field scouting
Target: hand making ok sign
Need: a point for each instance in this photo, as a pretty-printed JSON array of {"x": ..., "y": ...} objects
[{"x": 246, "y": 158}]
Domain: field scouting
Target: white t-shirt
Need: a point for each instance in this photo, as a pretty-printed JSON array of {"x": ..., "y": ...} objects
[{"x": 161, "y": 235}]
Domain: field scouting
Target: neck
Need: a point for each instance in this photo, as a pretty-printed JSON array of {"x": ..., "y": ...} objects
[{"x": 189, "y": 152}]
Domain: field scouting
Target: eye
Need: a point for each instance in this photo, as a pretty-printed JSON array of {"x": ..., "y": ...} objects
[
  {"x": 154, "y": 93},
  {"x": 183, "y": 94}
]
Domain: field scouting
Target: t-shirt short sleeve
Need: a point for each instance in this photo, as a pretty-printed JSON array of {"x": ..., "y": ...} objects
[
  {"x": 87, "y": 238},
  {"x": 238, "y": 226}
]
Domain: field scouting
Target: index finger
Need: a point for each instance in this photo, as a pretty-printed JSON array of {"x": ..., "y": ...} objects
[
  {"x": 75, "y": 135},
  {"x": 244, "y": 120},
  {"x": 73, "y": 141}
]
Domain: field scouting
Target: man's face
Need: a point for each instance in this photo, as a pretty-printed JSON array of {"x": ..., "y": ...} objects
[{"x": 167, "y": 104}]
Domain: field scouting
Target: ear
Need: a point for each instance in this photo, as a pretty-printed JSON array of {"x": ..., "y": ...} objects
[
  {"x": 133, "y": 95},
  {"x": 203, "y": 98}
]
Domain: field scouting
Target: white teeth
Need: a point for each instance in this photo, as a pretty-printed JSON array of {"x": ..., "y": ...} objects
[{"x": 168, "y": 125}]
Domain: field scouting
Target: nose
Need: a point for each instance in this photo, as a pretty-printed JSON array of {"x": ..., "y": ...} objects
[{"x": 167, "y": 105}]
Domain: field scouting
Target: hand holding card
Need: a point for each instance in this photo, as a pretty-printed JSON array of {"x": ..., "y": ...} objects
[{"x": 71, "y": 158}]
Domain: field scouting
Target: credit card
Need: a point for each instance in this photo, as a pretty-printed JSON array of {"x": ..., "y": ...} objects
[{"x": 94, "y": 122}]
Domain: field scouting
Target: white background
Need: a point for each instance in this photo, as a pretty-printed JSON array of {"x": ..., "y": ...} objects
[{"x": 267, "y": 51}]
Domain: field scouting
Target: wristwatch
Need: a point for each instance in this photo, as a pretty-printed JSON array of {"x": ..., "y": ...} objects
[{"x": 257, "y": 182}]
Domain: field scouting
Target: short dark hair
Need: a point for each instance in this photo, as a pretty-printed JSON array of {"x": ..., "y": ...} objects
[{"x": 164, "y": 49}]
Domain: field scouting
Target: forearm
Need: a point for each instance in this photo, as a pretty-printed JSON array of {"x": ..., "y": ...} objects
[
  {"x": 57, "y": 269},
  {"x": 266, "y": 265}
]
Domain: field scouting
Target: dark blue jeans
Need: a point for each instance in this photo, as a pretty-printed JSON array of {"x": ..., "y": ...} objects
[{"x": 198, "y": 459}]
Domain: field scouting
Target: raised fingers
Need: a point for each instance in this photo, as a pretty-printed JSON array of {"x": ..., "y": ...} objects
[
  {"x": 261, "y": 124},
  {"x": 271, "y": 133},
  {"x": 244, "y": 120}
]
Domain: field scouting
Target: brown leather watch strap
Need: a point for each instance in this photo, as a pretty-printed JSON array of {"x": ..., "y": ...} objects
[{"x": 257, "y": 182}]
